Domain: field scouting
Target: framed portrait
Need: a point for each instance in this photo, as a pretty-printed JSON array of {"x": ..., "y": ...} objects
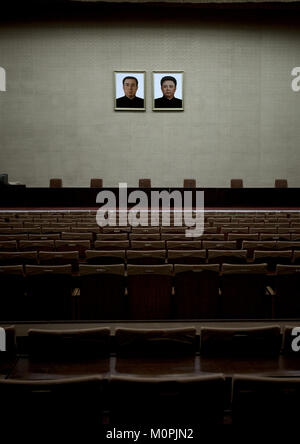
[
  {"x": 167, "y": 87},
  {"x": 129, "y": 91}
]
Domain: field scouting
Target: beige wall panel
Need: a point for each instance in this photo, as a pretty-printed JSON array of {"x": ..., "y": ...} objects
[{"x": 241, "y": 116}]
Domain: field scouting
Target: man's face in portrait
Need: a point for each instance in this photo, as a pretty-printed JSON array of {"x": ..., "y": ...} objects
[
  {"x": 168, "y": 89},
  {"x": 130, "y": 88}
]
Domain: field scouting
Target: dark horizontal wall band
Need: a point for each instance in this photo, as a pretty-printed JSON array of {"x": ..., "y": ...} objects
[
  {"x": 20, "y": 196},
  {"x": 111, "y": 10}
]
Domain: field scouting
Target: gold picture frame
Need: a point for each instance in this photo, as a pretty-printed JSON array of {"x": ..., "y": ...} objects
[
  {"x": 130, "y": 90},
  {"x": 167, "y": 90}
]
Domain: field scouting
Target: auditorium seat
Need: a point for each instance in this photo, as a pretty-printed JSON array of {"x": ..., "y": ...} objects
[
  {"x": 143, "y": 230},
  {"x": 8, "y": 245},
  {"x": 36, "y": 245},
  {"x": 236, "y": 183},
  {"x": 147, "y": 245},
  {"x": 12, "y": 237},
  {"x": 102, "y": 292},
  {"x": 219, "y": 245},
  {"x": 295, "y": 237},
  {"x": 227, "y": 256},
  {"x": 149, "y": 291},
  {"x": 274, "y": 237},
  {"x": 144, "y": 237},
  {"x": 55, "y": 183},
  {"x": 110, "y": 230},
  {"x": 69, "y": 344},
  {"x": 5, "y": 231},
  {"x": 269, "y": 226},
  {"x": 49, "y": 292},
  {"x": 105, "y": 257},
  {"x": 181, "y": 237},
  {"x": 30, "y": 223},
  {"x": 91, "y": 229},
  {"x": 112, "y": 236},
  {"x": 172, "y": 230},
  {"x": 18, "y": 257},
  {"x": 281, "y": 183},
  {"x": 196, "y": 291},
  {"x": 288, "y": 245},
  {"x": 60, "y": 404},
  {"x": 262, "y": 229},
  {"x": 73, "y": 245},
  {"x": 47, "y": 229},
  {"x": 237, "y": 230},
  {"x": 152, "y": 257},
  {"x": 77, "y": 236},
  {"x": 219, "y": 220},
  {"x": 189, "y": 183},
  {"x": 273, "y": 258},
  {"x": 289, "y": 231},
  {"x": 251, "y": 246},
  {"x": 243, "y": 291},
  {"x": 184, "y": 245},
  {"x": 287, "y": 298},
  {"x": 53, "y": 236},
  {"x": 144, "y": 183},
  {"x": 179, "y": 400},
  {"x": 210, "y": 230},
  {"x": 265, "y": 401},
  {"x": 239, "y": 238},
  {"x": 155, "y": 342},
  {"x": 187, "y": 257},
  {"x": 212, "y": 237},
  {"x": 296, "y": 257},
  {"x": 59, "y": 258},
  {"x": 96, "y": 183},
  {"x": 111, "y": 245},
  {"x": 240, "y": 341},
  {"x": 11, "y": 225},
  {"x": 12, "y": 285}
]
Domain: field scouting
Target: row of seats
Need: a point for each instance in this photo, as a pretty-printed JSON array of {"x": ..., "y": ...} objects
[
  {"x": 150, "y": 257},
  {"x": 138, "y": 400},
  {"x": 158, "y": 401},
  {"x": 160, "y": 216},
  {"x": 268, "y": 340},
  {"x": 90, "y": 214},
  {"x": 146, "y": 183},
  {"x": 147, "y": 226},
  {"x": 94, "y": 233},
  {"x": 98, "y": 183},
  {"x": 79, "y": 227},
  {"x": 234, "y": 238},
  {"x": 87, "y": 244},
  {"x": 148, "y": 292}
]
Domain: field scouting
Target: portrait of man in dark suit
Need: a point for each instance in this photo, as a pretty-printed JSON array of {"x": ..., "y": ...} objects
[
  {"x": 168, "y": 86},
  {"x": 130, "y": 100}
]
